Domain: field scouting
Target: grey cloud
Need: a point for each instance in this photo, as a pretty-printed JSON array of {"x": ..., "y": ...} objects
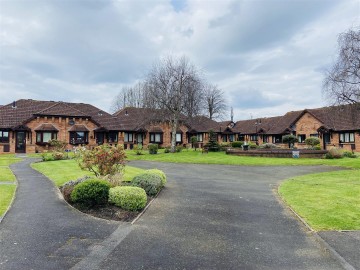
[
  {"x": 253, "y": 99},
  {"x": 254, "y": 25}
]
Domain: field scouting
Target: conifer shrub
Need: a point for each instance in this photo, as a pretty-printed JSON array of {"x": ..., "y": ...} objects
[
  {"x": 212, "y": 145},
  {"x": 128, "y": 198}
]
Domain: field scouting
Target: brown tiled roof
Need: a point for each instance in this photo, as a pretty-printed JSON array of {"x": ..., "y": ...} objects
[
  {"x": 46, "y": 127},
  {"x": 78, "y": 128},
  {"x": 62, "y": 109},
  {"x": 26, "y": 109},
  {"x": 156, "y": 129},
  {"x": 133, "y": 119},
  {"x": 285, "y": 123},
  {"x": 202, "y": 124},
  {"x": 258, "y": 125},
  {"x": 338, "y": 118}
]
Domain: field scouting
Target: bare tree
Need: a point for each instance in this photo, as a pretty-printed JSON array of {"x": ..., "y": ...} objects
[
  {"x": 342, "y": 82},
  {"x": 171, "y": 85},
  {"x": 129, "y": 97},
  {"x": 195, "y": 97},
  {"x": 215, "y": 102}
]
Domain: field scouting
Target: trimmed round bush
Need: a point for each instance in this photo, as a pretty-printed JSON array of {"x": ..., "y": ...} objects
[
  {"x": 150, "y": 182},
  {"x": 91, "y": 192},
  {"x": 128, "y": 198},
  {"x": 237, "y": 144},
  {"x": 159, "y": 173}
]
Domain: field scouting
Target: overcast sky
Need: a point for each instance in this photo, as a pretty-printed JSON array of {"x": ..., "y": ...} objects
[{"x": 269, "y": 56}]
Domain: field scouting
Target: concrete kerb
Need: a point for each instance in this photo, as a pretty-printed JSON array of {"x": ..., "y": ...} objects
[
  {"x": 333, "y": 253},
  {"x": 60, "y": 195}
]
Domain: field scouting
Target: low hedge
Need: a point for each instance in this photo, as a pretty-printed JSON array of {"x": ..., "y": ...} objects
[
  {"x": 91, "y": 192},
  {"x": 128, "y": 198},
  {"x": 150, "y": 182}
]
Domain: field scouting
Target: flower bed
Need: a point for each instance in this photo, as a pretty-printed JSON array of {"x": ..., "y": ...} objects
[{"x": 281, "y": 153}]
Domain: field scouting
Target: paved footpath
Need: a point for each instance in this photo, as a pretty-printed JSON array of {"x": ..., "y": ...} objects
[
  {"x": 207, "y": 217},
  {"x": 41, "y": 231}
]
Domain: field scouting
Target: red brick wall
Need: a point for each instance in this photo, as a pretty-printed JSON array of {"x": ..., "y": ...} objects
[
  {"x": 306, "y": 125},
  {"x": 60, "y": 123}
]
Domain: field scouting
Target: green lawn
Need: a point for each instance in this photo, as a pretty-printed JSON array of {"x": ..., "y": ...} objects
[
  {"x": 6, "y": 194},
  {"x": 191, "y": 156},
  {"x": 7, "y": 159},
  {"x": 327, "y": 201},
  {"x": 7, "y": 191},
  {"x": 65, "y": 170},
  {"x": 6, "y": 175}
]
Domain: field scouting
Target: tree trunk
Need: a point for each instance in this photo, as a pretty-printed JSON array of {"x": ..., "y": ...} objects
[{"x": 174, "y": 124}]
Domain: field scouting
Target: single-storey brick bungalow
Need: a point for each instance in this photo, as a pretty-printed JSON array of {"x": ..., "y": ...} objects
[
  {"x": 27, "y": 125},
  {"x": 335, "y": 126}
]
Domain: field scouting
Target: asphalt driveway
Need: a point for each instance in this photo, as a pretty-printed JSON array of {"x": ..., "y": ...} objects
[
  {"x": 41, "y": 231},
  {"x": 207, "y": 217},
  {"x": 219, "y": 217}
]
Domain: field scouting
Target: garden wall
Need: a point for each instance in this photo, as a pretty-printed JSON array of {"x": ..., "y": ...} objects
[{"x": 281, "y": 153}]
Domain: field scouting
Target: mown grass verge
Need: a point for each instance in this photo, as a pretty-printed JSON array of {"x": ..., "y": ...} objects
[
  {"x": 6, "y": 194},
  {"x": 326, "y": 201},
  {"x": 6, "y": 175},
  {"x": 197, "y": 157},
  {"x": 7, "y": 191},
  {"x": 62, "y": 171}
]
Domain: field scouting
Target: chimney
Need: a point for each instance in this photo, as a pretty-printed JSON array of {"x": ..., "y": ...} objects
[
  {"x": 232, "y": 114},
  {"x": 126, "y": 112},
  {"x": 14, "y": 104}
]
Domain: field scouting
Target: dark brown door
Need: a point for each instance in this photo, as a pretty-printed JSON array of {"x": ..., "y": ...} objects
[
  {"x": 326, "y": 139},
  {"x": 20, "y": 146}
]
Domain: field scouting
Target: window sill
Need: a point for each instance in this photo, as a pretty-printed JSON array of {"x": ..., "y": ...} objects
[{"x": 41, "y": 143}]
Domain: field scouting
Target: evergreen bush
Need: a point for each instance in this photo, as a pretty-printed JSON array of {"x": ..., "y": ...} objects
[
  {"x": 91, "y": 192},
  {"x": 150, "y": 182},
  {"x": 128, "y": 198},
  {"x": 159, "y": 173},
  {"x": 153, "y": 148}
]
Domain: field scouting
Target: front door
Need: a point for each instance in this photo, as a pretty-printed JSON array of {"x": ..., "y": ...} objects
[
  {"x": 100, "y": 138},
  {"x": 326, "y": 139},
  {"x": 139, "y": 138},
  {"x": 20, "y": 146}
]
